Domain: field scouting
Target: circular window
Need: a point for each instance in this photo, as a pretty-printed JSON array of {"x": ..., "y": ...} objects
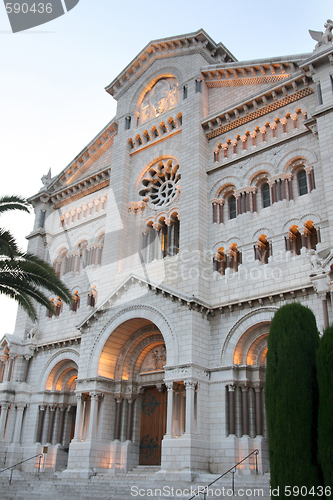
[{"x": 161, "y": 184}]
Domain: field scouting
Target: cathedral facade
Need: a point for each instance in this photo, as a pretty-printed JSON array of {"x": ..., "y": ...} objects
[{"x": 181, "y": 228}]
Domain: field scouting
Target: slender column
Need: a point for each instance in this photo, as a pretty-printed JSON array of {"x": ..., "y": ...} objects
[
  {"x": 26, "y": 367},
  {"x": 95, "y": 397},
  {"x": 51, "y": 424},
  {"x": 231, "y": 409},
  {"x": 10, "y": 369},
  {"x": 83, "y": 421},
  {"x": 189, "y": 425},
  {"x": 62, "y": 410},
  {"x": 258, "y": 411},
  {"x": 145, "y": 247},
  {"x": 304, "y": 240},
  {"x": 40, "y": 424},
  {"x": 2, "y": 366},
  {"x": 129, "y": 428},
  {"x": 323, "y": 297},
  {"x": 157, "y": 246},
  {"x": 245, "y": 415},
  {"x": 3, "y": 418},
  {"x": 18, "y": 421},
  {"x": 169, "y": 386},
  {"x": 78, "y": 419},
  {"x": 118, "y": 418},
  {"x": 169, "y": 242}
]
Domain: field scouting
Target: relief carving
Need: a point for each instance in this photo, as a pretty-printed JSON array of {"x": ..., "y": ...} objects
[
  {"x": 155, "y": 360},
  {"x": 160, "y": 98}
]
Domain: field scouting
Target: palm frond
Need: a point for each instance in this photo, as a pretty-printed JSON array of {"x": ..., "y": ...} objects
[
  {"x": 8, "y": 245},
  {"x": 14, "y": 203},
  {"x": 22, "y": 298}
]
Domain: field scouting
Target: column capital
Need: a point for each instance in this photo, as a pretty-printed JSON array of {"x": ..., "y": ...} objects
[
  {"x": 231, "y": 387},
  {"x": 189, "y": 384},
  {"x": 169, "y": 386},
  {"x": 5, "y": 405},
  {"x": 21, "y": 406},
  {"x": 96, "y": 395}
]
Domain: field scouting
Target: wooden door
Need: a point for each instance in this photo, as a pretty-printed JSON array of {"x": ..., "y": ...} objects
[{"x": 153, "y": 425}]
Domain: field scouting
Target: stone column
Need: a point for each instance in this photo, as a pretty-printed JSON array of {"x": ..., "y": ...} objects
[
  {"x": 40, "y": 424},
  {"x": 26, "y": 367},
  {"x": 95, "y": 398},
  {"x": 157, "y": 244},
  {"x": 3, "y": 417},
  {"x": 20, "y": 407},
  {"x": 78, "y": 419},
  {"x": 118, "y": 418},
  {"x": 62, "y": 411},
  {"x": 129, "y": 428},
  {"x": 323, "y": 296},
  {"x": 169, "y": 239},
  {"x": 51, "y": 423},
  {"x": 245, "y": 414},
  {"x": 258, "y": 410},
  {"x": 169, "y": 386},
  {"x": 10, "y": 368},
  {"x": 190, "y": 388},
  {"x": 231, "y": 393}
]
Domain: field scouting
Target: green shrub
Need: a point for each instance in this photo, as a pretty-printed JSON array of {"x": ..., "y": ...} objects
[
  {"x": 292, "y": 398},
  {"x": 325, "y": 414}
]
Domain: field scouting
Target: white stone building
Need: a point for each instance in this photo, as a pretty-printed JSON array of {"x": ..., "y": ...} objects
[{"x": 198, "y": 211}]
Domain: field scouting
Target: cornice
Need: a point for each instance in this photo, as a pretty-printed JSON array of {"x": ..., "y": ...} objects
[
  {"x": 83, "y": 187},
  {"x": 197, "y": 42},
  {"x": 259, "y": 104},
  {"x": 190, "y": 301},
  {"x": 251, "y": 73},
  {"x": 317, "y": 57}
]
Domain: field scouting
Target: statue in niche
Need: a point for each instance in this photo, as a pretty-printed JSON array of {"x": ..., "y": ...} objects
[
  {"x": 321, "y": 37},
  {"x": 161, "y": 97}
]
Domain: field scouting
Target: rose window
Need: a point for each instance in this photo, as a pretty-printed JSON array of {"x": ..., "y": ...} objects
[{"x": 161, "y": 184}]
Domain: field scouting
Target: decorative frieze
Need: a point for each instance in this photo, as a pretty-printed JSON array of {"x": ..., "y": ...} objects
[{"x": 257, "y": 113}]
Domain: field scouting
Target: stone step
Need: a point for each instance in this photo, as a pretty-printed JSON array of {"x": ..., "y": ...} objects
[{"x": 122, "y": 487}]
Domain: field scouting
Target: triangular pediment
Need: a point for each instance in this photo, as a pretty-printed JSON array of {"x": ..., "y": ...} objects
[
  {"x": 133, "y": 281},
  {"x": 197, "y": 42}
]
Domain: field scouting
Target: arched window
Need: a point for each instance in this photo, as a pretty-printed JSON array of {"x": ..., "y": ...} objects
[
  {"x": 232, "y": 207},
  {"x": 82, "y": 248},
  {"x": 99, "y": 250},
  {"x": 76, "y": 301},
  {"x": 262, "y": 249},
  {"x": 60, "y": 263},
  {"x": 302, "y": 183},
  {"x": 294, "y": 240},
  {"x": 311, "y": 235},
  {"x": 266, "y": 196},
  {"x": 234, "y": 257},
  {"x": 161, "y": 239},
  {"x": 92, "y": 296},
  {"x": 219, "y": 261}
]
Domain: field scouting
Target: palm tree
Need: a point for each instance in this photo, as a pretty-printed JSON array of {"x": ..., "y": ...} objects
[{"x": 22, "y": 274}]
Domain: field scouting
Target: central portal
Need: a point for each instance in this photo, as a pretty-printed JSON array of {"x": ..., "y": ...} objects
[{"x": 153, "y": 425}]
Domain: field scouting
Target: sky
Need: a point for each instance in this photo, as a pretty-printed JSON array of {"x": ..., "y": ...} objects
[{"x": 52, "y": 77}]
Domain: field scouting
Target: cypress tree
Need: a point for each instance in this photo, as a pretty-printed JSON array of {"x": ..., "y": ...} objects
[
  {"x": 292, "y": 399},
  {"x": 325, "y": 418}
]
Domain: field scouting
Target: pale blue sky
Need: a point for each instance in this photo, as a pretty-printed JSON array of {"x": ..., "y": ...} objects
[{"x": 53, "y": 77}]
